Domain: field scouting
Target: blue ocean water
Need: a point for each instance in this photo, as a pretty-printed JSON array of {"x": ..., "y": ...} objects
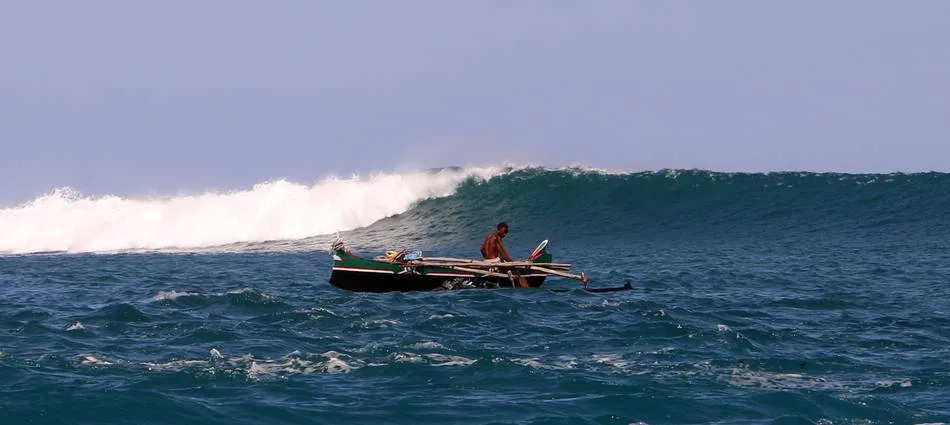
[{"x": 757, "y": 298}]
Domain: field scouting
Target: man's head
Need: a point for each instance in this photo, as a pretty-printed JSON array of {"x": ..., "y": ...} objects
[{"x": 502, "y": 229}]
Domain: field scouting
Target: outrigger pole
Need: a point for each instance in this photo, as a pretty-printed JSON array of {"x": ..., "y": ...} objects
[
  {"x": 474, "y": 266},
  {"x": 581, "y": 277},
  {"x": 445, "y": 261}
]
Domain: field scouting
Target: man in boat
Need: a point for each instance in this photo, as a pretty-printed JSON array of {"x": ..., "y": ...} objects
[{"x": 493, "y": 249}]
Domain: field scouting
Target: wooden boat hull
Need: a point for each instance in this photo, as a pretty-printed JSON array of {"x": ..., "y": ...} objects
[
  {"x": 363, "y": 281},
  {"x": 353, "y": 273}
]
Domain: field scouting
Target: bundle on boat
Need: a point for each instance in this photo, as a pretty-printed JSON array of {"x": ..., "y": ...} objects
[{"x": 411, "y": 271}]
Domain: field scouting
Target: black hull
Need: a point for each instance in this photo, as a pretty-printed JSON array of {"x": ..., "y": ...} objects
[{"x": 389, "y": 282}]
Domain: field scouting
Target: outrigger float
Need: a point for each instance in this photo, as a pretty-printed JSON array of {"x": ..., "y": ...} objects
[{"x": 410, "y": 271}]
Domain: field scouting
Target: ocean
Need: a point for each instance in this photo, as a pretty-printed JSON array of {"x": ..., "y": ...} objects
[{"x": 758, "y": 298}]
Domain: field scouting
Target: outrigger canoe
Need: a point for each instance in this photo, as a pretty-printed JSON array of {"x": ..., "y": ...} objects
[{"x": 410, "y": 271}]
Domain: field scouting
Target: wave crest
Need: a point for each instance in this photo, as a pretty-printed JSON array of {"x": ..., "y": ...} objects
[{"x": 66, "y": 221}]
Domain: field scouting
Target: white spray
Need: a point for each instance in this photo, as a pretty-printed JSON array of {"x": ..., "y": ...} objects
[{"x": 277, "y": 210}]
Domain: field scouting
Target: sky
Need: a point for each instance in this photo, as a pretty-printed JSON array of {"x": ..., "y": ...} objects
[{"x": 144, "y": 98}]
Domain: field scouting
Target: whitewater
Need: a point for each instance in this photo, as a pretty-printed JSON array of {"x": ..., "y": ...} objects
[{"x": 66, "y": 221}]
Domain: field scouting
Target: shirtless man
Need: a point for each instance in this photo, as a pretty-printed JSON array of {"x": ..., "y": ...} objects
[{"x": 493, "y": 248}]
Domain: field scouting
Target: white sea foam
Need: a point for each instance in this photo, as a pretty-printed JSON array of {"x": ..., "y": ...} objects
[
  {"x": 89, "y": 359},
  {"x": 336, "y": 363},
  {"x": 75, "y": 326},
  {"x": 561, "y": 363},
  {"x": 433, "y": 359},
  {"x": 904, "y": 383},
  {"x": 172, "y": 295},
  {"x": 787, "y": 381},
  {"x": 216, "y": 354},
  {"x": 536, "y": 363},
  {"x": 255, "y": 371},
  {"x": 446, "y": 360},
  {"x": 175, "y": 365},
  {"x": 408, "y": 358},
  {"x": 566, "y": 362},
  {"x": 615, "y": 360},
  {"x": 381, "y": 323},
  {"x": 65, "y": 220},
  {"x": 241, "y": 291},
  {"x": 427, "y": 345},
  {"x": 252, "y": 367},
  {"x": 333, "y": 366}
]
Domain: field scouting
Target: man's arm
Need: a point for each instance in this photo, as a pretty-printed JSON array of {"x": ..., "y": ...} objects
[{"x": 502, "y": 252}]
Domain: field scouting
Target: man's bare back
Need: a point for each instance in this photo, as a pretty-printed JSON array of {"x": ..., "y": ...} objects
[{"x": 493, "y": 247}]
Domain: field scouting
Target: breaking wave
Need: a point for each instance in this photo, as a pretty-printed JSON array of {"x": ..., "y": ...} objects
[
  {"x": 66, "y": 221},
  {"x": 454, "y": 207}
]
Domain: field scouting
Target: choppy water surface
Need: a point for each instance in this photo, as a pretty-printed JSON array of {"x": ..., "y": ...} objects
[{"x": 823, "y": 299}]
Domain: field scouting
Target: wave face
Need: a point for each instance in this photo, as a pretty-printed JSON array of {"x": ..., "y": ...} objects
[
  {"x": 589, "y": 207},
  {"x": 64, "y": 220},
  {"x": 455, "y": 206}
]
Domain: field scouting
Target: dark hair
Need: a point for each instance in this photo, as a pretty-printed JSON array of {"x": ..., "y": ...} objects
[{"x": 501, "y": 225}]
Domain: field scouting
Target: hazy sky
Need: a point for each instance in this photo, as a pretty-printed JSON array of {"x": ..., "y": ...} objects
[{"x": 154, "y": 97}]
